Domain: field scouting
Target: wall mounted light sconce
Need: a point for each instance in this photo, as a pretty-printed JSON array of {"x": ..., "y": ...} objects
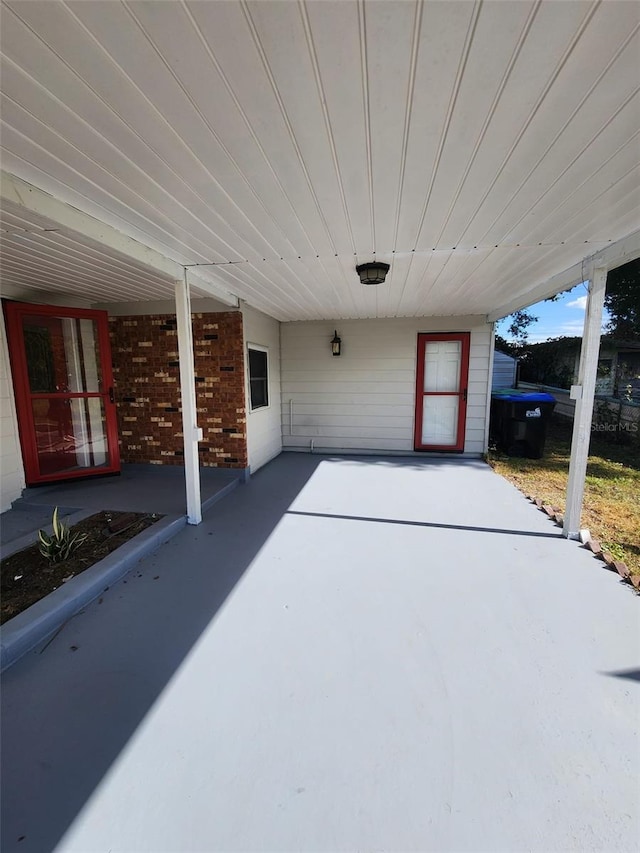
[
  {"x": 336, "y": 344},
  {"x": 372, "y": 273}
]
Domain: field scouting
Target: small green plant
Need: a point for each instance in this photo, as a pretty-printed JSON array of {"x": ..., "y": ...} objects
[
  {"x": 615, "y": 550},
  {"x": 61, "y": 544}
]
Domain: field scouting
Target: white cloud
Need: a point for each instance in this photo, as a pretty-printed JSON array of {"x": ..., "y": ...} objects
[
  {"x": 580, "y": 302},
  {"x": 575, "y": 327}
]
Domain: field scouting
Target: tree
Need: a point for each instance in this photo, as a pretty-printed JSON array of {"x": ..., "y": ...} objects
[
  {"x": 518, "y": 329},
  {"x": 550, "y": 362},
  {"x": 622, "y": 301}
]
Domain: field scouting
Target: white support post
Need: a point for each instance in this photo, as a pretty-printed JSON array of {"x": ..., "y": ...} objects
[
  {"x": 584, "y": 393},
  {"x": 191, "y": 433},
  {"x": 487, "y": 414}
]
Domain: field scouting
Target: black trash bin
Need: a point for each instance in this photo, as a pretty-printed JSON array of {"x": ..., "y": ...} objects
[{"x": 519, "y": 421}]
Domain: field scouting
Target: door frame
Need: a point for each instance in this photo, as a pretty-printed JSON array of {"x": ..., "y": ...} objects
[
  {"x": 14, "y": 313},
  {"x": 423, "y": 339}
]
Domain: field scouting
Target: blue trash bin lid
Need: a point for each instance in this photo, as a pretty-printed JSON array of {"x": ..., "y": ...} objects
[{"x": 515, "y": 395}]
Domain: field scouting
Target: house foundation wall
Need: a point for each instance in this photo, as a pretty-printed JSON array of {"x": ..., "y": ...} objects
[{"x": 147, "y": 387}]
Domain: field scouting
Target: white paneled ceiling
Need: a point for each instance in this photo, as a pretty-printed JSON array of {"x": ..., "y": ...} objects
[
  {"x": 39, "y": 254},
  {"x": 480, "y": 148}
]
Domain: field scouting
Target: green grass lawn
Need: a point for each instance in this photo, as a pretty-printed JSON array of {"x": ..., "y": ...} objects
[{"x": 611, "y": 508}]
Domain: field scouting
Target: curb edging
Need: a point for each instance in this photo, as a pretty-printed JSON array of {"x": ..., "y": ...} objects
[{"x": 591, "y": 544}]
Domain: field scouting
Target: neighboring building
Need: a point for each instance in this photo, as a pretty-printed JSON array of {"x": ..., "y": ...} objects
[
  {"x": 556, "y": 363},
  {"x": 505, "y": 371},
  {"x": 619, "y": 369}
]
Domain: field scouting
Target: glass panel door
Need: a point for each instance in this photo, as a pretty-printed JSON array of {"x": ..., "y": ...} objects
[
  {"x": 441, "y": 391},
  {"x": 442, "y": 362},
  {"x": 64, "y": 395}
]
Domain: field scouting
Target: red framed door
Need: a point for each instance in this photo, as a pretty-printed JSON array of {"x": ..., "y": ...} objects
[
  {"x": 61, "y": 365},
  {"x": 441, "y": 391}
]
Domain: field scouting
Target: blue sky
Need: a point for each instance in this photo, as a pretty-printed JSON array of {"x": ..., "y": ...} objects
[{"x": 555, "y": 319}]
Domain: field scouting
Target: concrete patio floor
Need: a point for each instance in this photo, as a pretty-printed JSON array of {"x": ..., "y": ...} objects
[
  {"x": 138, "y": 488},
  {"x": 349, "y": 654}
]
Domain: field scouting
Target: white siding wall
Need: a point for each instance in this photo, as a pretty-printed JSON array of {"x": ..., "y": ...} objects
[
  {"x": 264, "y": 434},
  {"x": 11, "y": 470},
  {"x": 365, "y": 399}
]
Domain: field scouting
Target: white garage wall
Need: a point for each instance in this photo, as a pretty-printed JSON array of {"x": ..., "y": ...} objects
[
  {"x": 11, "y": 469},
  {"x": 264, "y": 435},
  {"x": 365, "y": 399}
]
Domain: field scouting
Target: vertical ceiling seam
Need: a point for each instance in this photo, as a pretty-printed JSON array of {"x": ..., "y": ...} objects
[
  {"x": 586, "y": 180},
  {"x": 219, "y": 141},
  {"x": 464, "y": 58},
  {"x": 492, "y": 110},
  {"x": 520, "y": 272},
  {"x": 66, "y": 235},
  {"x": 111, "y": 110},
  {"x": 145, "y": 202},
  {"x": 325, "y": 113},
  {"x": 246, "y": 120},
  {"x": 234, "y": 270},
  {"x": 50, "y": 268},
  {"x": 533, "y": 112},
  {"x": 265, "y": 63},
  {"x": 594, "y": 204},
  {"x": 428, "y": 293},
  {"x": 413, "y": 67},
  {"x": 568, "y": 121},
  {"x": 417, "y": 287},
  {"x": 364, "y": 65},
  {"x": 290, "y": 297},
  {"x": 584, "y": 148},
  {"x": 84, "y": 179},
  {"x": 347, "y": 290},
  {"x": 536, "y": 261},
  {"x": 295, "y": 276},
  {"x": 77, "y": 255},
  {"x": 240, "y": 109}
]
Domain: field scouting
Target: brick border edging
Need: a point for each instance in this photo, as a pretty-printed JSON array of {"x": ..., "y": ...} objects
[
  {"x": 591, "y": 544},
  {"x": 41, "y": 621}
]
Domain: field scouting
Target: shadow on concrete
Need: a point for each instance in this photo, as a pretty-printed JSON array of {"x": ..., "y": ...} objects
[
  {"x": 69, "y": 709},
  {"x": 631, "y": 674},
  {"x": 314, "y": 691},
  {"x": 433, "y": 524}
]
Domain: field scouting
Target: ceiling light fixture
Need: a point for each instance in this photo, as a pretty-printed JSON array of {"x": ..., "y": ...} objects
[{"x": 372, "y": 273}]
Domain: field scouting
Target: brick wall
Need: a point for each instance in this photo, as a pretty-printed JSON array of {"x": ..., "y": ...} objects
[{"x": 147, "y": 381}]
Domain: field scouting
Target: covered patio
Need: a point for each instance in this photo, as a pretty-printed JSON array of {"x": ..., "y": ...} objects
[
  {"x": 347, "y": 654},
  {"x": 350, "y": 653},
  {"x": 252, "y": 155}
]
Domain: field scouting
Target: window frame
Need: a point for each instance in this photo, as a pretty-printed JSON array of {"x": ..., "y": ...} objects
[{"x": 265, "y": 350}]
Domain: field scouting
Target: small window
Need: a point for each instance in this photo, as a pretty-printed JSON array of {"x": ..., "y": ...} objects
[{"x": 258, "y": 378}]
